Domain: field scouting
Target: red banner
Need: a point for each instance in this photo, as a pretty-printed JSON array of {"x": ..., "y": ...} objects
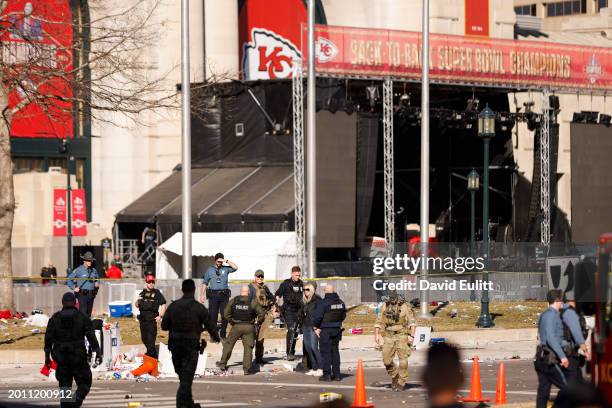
[
  {"x": 477, "y": 17},
  {"x": 270, "y": 37},
  {"x": 78, "y": 213},
  {"x": 37, "y": 40},
  {"x": 59, "y": 212},
  {"x": 371, "y": 53}
]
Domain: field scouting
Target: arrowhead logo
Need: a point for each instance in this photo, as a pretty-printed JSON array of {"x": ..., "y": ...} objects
[
  {"x": 60, "y": 202},
  {"x": 268, "y": 56},
  {"x": 326, "y": 50}
]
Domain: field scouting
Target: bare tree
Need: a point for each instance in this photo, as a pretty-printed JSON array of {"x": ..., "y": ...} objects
[{"x": 102, "y": 74}]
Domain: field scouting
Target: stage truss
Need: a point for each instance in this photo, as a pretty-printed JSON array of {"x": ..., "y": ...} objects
[
  {"x": 545, "y": 171},
  {"x": 389, "y": 192},
  {"x": 298, "y": 161}
]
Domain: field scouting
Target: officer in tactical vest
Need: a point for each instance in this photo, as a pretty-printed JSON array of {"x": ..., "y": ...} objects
[
  {"x": 65, "y": 341},
  {"x": 185, "y": 319},
  {"x": 575, "y": 332},
  {"x": 84, "y": 282},
  {"x": 151, "y": 304},
  {"x": 259, "y": 291},
  {"x": 327, "y": 323},
  {"x": 243, "y": 314},
  {"x": 396, "y": 324},
  {"x": 291, "y": 291}
]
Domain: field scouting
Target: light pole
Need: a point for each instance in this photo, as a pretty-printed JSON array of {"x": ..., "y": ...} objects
[
  {"x": 486, "y": 131},
  {"x": 65, "y": 149},
  {"x": 473, "y": 185}
]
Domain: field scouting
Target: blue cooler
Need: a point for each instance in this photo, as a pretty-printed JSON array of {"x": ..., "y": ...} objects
[{"x": 120, "y": 308}]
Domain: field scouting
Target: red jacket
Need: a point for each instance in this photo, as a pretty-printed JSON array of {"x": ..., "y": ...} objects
[{"x": 113, "y": 272}]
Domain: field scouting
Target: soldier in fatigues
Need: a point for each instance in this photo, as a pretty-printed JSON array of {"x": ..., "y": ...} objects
[
  {"x": 259, "y": 291},
  {"x": 243, "y": 314},
  {"x": 185, "y": 319},
  {"x": 65, "y": 341},
  {"x": 396, "y": 324}
]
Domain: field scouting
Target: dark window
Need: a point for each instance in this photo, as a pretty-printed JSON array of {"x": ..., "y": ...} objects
[
  {"x": 528, "y": 10},
  {"x": 566, "y": 8},
  {"x": 602, "y": 4}
]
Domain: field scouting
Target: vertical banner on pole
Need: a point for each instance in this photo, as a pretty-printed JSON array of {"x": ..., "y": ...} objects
[
  {"x": 477, "y": 17},
  {"x": 79, "y": 213},
  {"x": 59, "y": 212}
]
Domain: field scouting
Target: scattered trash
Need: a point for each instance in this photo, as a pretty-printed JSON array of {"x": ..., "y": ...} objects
[
  {"x": 453, "y": 313},
  {"x": 330, "y": 396},
  {"x": 288, "y": 367},
  {"x": 38, "y": 319},
  {"x": 128, "y": 396},
  {"x": 356, "y": 330},
  {"x": 521, "y": 307},
  {"x": 361, "y": 312}
]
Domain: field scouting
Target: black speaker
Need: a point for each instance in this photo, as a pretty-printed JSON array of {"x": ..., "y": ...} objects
[{"x": 553, "y": 101}]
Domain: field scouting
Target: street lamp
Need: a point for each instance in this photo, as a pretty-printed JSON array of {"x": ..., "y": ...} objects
[
  {"x": 65, "y": 149},
  {"x": 486, "y": 131},
  {"x": 473, "y": 185}
]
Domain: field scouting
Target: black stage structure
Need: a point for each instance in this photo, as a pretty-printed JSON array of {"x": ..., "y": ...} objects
[{"x": 242, "y": 157}]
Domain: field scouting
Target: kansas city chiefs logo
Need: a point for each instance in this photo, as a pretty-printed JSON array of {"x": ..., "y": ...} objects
[
  {"x": 268, "y": 56},
  {"x": 326, "y": 50}
]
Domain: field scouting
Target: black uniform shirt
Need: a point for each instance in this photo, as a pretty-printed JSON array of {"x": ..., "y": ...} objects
[
  {"x": 186, "y": 318},
  {"x": 291, "y": 292},
  {"x": 150, "y": 303}
]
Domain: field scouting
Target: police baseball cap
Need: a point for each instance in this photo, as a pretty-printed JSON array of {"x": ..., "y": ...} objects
[
  {"x": 259, "y": 273},
  {"x": 150, "y": 278},
  {"x": 68, "y": 299}
]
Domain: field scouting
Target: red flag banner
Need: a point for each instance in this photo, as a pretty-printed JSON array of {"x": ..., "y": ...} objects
[
  {"x": 79, "y": 213},
  {"x": 59, "y": 212},
  {"x": 477, "y": 17},
  {"x": 374, "y": 53}
]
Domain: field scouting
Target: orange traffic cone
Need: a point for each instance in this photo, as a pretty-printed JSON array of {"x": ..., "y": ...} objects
[
  {"x": 359, "y": 399},
  {"x": 500, "y": 391},
  {"x": 475, "y": 388},
  {"x": 148, "y": 364}
]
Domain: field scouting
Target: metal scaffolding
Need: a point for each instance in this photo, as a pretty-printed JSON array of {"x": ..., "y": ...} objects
[
  {"x": 388, "y": 163},
  {"x": 298, "y": 160},
  {"x": 545, "y": 171}
]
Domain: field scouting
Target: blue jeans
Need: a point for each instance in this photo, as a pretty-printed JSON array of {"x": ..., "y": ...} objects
[{"x": 311, "y": 346}]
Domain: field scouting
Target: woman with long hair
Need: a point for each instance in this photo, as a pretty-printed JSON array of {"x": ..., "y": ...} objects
[{"x": 311, "y": 341}]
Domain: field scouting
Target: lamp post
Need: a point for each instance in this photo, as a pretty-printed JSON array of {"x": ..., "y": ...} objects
[
  {"x": 473, "y": 185},
  {"x": 486, "y": 130},
  {"x": 65, "y": 149}
]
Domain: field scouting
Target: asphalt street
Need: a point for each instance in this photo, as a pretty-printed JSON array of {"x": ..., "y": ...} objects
[{"x": 284, "y": 389}]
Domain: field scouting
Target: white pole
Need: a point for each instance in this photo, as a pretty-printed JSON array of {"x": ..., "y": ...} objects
[
  {"x": 186, "y": 139},
  {"x": 425, "y": 156},
  {"x": 311, "y": 148}
]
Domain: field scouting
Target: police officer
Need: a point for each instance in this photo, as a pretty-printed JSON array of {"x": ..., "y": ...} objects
[
  {"x": 84, "y": 282},
  {"x": 327, "y": 322},
  {"x": 551, "y": 362},
  {"x": 260, "y": 292},
  {"x": 185, "y": 320},
  {"x": 65, "y": 341},
  {"x": 151, "y": 304},
  {"x": 575, "y": 332},
  {"x": 291, "y": 291},
  {"x": 243, "y": 313},
  {"x": 215, "y": 287},
  {"x": 396, "y": 323}
]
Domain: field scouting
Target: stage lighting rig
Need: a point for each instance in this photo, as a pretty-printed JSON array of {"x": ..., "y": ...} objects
[{"x": 372, "y": 94}]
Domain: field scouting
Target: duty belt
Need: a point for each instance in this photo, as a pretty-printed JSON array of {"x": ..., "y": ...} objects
[{"x": 395, "y": 329}]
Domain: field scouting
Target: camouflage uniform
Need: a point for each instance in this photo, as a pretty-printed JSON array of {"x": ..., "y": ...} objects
[
  {"x": 395, "y": 320},
  {"x": 265, "y": 298}
]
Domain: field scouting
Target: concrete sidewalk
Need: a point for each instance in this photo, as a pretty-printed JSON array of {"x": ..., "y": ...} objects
[{"x": 488, "y": 344}]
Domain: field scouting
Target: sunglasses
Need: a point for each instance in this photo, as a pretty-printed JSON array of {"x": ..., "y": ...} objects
[
  {"x": 306, "y": 290},
  {"x": 259, "y": 276}
]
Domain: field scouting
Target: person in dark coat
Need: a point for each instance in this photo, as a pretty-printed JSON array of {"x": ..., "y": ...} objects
[
  {"x": 311, "y": 341},
  {"x": 185, "y": 319},
  {"x": 327, "y": 322},
  {"x": 65, "y": 342}
]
